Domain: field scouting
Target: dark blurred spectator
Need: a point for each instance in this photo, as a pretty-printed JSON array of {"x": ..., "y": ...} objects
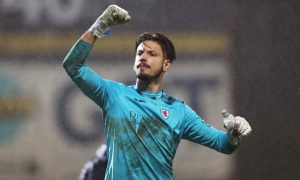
[{"x": 95, "y": 168}]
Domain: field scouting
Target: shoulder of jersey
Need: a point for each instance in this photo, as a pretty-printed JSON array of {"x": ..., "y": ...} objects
[{"x": 171, "y": 99}]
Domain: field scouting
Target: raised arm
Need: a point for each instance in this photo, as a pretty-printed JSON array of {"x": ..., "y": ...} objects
[
  {"x": 84, "y": 77},
  {"x": 77, "y": 55}
]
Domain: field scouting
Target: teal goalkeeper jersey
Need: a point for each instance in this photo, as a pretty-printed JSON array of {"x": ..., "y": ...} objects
[{"x": 142, "y": 129}]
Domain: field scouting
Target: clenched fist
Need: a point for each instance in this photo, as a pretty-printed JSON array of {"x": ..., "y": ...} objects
[
  {"x": 237, "y": 127},
  {"x": 113, "y": 15}
]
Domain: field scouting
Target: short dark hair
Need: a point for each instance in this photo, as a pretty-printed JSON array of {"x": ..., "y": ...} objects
[{"x": 164, "y": 42}]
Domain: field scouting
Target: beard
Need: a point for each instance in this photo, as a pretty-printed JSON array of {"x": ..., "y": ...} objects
[{"x": 149, "y": 78}]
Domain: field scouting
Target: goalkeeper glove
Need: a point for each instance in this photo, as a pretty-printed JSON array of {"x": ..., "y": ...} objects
[
  {"x": 237, "y": 127},
  {"x": 111, "y": 16}
]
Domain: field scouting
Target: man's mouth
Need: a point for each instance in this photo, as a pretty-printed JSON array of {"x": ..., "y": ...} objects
[{"x": 143, "y": 65}]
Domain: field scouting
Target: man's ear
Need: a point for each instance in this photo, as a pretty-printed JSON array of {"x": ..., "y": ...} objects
[{"x": 167, "y": 64}]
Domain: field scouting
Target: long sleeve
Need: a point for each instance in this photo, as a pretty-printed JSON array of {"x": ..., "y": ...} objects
[
  {"x": 198, "y": 131},
  {"x": 76, "y": 57},
  {"x": 90, "y": 83}
]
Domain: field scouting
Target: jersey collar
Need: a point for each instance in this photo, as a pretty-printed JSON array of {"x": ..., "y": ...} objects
[{"x": 153, "y": 95}]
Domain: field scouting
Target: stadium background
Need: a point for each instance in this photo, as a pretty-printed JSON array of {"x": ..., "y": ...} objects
[{"x": 238, "y": 55}]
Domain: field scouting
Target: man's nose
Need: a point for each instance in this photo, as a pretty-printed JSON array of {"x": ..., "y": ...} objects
[{"x": 143, "y": 58}]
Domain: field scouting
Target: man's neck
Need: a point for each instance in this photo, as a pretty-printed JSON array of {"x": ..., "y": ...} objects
[{"x": 150, "y": 86}]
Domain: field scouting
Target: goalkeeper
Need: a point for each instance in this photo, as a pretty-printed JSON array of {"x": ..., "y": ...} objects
[{"x": 143, "y": 124}]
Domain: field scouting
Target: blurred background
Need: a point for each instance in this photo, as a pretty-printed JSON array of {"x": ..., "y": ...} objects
[{"x": 237, "y": 55}]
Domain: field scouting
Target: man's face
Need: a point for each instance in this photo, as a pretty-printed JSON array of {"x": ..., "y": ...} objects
[{"x": 150, "y": 63}]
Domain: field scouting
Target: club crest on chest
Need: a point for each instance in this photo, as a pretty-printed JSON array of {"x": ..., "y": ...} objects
[{"x": 164, "y": 113}]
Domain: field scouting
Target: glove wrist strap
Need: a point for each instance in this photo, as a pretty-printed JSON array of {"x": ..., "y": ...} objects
[
  {"x": 99, "y": 30},
  {"x": 234, "y": 140}
]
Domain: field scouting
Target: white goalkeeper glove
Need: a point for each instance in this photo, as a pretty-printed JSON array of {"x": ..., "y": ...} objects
[
  {"x": 237, "y": 127},
  {"x": 111, "y": 16}
]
